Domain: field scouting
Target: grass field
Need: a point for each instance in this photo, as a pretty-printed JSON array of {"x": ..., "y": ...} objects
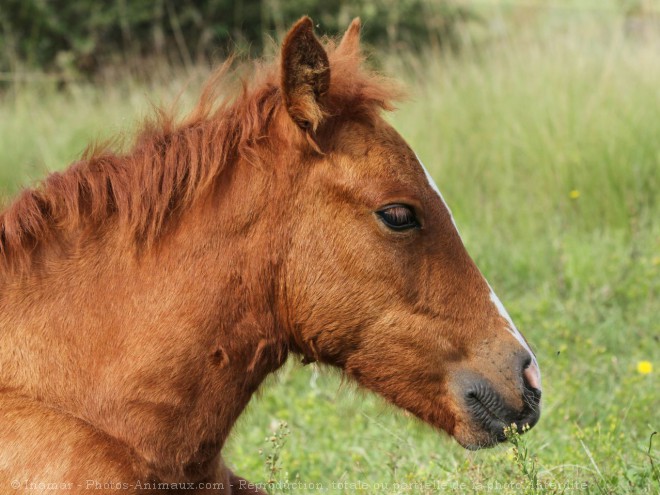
[{"x": 547, "y": 147}]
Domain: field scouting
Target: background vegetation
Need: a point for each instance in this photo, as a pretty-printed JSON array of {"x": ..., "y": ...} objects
[
  {"x": 543, "y": 133},
  {"x": 81, "y": 36}
]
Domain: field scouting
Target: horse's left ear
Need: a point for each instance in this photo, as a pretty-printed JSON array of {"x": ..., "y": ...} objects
[{"x": 305, "y": 77}]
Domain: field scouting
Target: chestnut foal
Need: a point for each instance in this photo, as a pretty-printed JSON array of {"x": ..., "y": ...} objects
[{"x": 145, "y": 295}]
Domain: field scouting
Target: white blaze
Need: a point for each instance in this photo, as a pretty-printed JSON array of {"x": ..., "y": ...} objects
[
  {"x": 493, "y": 297},
  {"x": 435, "y": 188},
  {"x": 512, "y": 327}
]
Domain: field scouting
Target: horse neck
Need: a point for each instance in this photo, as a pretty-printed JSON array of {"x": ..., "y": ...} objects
[{"x": 173, "y": 341}]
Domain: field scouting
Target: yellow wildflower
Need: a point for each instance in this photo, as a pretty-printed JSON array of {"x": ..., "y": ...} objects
[
  {"x": 574, "y": 194},
  {"x": 644, "y": 367}
]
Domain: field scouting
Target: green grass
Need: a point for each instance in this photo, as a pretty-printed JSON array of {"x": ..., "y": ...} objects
[{"x": 508, "y": 132}]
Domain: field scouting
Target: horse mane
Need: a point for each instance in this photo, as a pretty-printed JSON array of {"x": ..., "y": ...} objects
[{"x": 172, "y": 162}]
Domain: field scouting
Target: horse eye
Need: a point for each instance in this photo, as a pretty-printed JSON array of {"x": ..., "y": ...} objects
[{"x": 398, "y": 217}]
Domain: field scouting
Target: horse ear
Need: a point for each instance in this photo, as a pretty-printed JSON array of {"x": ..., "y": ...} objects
[
  {"x": 305, "y": 76},
  {"x": 350, "y": 42}
]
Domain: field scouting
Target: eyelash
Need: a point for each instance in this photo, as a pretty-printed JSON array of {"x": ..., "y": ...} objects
[{"x": 398, "y": 217}]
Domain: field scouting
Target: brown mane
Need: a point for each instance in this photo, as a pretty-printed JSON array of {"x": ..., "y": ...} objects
[{"x": 171, "y": 163}]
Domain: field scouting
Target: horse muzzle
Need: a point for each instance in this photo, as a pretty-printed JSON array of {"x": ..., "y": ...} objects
[{"x": 489, "y": 411}]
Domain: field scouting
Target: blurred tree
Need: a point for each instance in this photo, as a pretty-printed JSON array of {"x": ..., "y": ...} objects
[{"x": 61, "y": 34}]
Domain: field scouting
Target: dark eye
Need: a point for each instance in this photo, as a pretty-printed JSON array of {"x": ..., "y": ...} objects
[{"x": 398, "y": 217}]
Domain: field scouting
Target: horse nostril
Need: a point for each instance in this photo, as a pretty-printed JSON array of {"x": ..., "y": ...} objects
[
  {"x": 532, "y": 377},
  {"x": 531, "y": 393}
]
